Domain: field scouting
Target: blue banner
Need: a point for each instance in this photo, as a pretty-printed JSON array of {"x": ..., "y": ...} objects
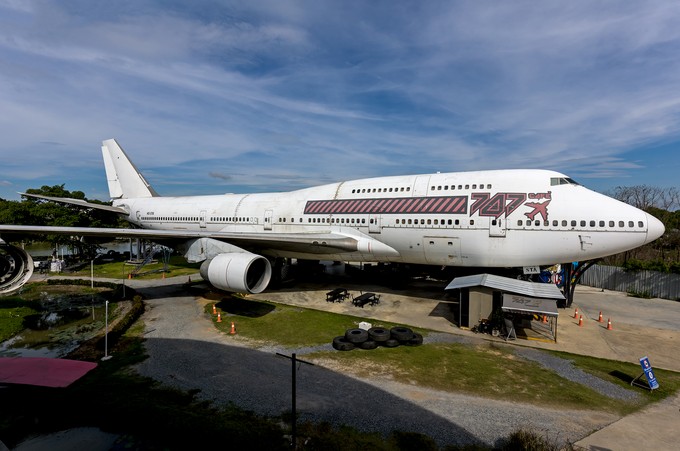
[{"x": 649, "y": 374}]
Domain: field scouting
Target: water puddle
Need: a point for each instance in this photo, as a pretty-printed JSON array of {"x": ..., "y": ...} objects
[{"x": 65, "y": 322}]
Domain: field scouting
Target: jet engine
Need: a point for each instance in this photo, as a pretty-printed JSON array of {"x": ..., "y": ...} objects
[
  {"x": 16, "y": 267},
  {"x": 240, "y": 272}
]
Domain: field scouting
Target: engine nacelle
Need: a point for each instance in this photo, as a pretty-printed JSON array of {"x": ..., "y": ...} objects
[
  {"x": 240, "y": 272},
  {"x": 16, "y": 267}
]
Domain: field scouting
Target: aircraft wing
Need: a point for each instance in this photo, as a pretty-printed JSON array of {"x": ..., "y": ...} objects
[
  {"x": 316, "y": 243},
  {"x": 78, "y": 202}
]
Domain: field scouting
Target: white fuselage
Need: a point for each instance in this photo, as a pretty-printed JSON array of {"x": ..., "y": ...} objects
[{"x": 503, "y": 218}]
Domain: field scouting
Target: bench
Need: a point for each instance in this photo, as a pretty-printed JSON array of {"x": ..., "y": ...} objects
[
  {"x": 337, "y": 295},
  {"x": 366, "y": 298}
]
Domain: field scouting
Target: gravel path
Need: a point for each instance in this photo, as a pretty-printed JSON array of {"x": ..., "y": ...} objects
[{"x": 187, "y": 352}]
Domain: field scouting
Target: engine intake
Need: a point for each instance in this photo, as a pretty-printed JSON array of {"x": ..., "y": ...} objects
[
  {"x": 240, "y": 272},
  {"x": 16, "y": 267}
]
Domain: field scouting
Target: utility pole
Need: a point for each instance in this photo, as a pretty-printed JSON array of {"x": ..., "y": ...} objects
[{"x": 294, "y": 360}]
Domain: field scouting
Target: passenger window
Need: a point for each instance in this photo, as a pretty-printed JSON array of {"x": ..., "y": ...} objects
[
  {"x": 474, "y": 186},
  {"x": 621, "y": 224},
  {"x": 564, "y": 223},
  {"x": 601, "y": 223},
  {"x": 472, "y": 222},
  {"x": 519, "y": 222},
  {"x": 611, "y": 223},
  {"x": 583, "y": 223},
  {"x": 555, "y": 223},
  {"x": 641, "y": 224},
  {"x": 631, "y": 224},
  {"x": 537, "y": 222},
  {"x": 467, "y": 186}
]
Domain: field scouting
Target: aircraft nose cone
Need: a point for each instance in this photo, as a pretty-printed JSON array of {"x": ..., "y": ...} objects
[{"x": 655, "y": 228}]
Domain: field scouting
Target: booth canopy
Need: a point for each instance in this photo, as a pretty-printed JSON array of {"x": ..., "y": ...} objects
[
  {"x": 506, "y": 284},
  {"x": 525, "y": 304}
]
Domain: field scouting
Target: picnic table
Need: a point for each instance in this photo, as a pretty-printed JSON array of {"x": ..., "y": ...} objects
[
  {"x": 337, "y": 295},
  {"x": 366, "y": 298}
]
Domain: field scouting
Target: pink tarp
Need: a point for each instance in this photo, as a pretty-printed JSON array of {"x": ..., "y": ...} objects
[{"x": 42, "y": 371}]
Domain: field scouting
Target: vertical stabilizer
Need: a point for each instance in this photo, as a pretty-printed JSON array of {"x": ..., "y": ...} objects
[{"x": 125, "y": 180}]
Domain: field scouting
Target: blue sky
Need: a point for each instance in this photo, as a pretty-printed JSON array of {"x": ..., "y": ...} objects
[{"x": 212, "y": 97}]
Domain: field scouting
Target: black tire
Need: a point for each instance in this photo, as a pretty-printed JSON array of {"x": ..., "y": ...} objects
[
  {"x": 391, "y": 343},
  {"x": 379, "y": 334},
  {"x": 403, "y": 334},
  {"x": 416, "y": 340},
  {"x": 356, "y": 336},
  {"x": 341, "y": 344},
  {"x": 368, "y": 344}
]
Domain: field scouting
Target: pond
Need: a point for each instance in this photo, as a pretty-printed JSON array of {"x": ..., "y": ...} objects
[{"x": 59, "y": 328}]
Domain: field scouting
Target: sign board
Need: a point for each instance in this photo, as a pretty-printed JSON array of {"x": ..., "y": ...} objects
[
  {"x": 649, "y": 374},
  {"x": 532, "y": 270}
]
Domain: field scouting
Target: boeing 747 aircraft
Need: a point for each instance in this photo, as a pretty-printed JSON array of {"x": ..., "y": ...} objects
[{"x": 501, "y": 218}]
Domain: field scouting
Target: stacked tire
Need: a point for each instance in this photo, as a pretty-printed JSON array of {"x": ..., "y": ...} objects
[{"x": 377, "y": 336}]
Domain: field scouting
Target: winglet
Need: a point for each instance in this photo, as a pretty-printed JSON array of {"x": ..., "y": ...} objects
[{"x": 125, "y": 180}]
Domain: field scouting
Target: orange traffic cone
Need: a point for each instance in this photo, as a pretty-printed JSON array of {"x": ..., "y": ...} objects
[
  {"x": 219, "y": 317},
  {"x": 129, "y": 275},
  {"x": 214, "y": 310},
  {"x": 580, "y": 321},
  {"x": 609, "y": 324},
  {"x": 163, "y": 275},
  {"x": 599, "y": 320},
  {"x": 576, "y": 313},
  {"x": 233, "y": 329}
]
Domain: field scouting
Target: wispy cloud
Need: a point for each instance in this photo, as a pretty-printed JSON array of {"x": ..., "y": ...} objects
[{"x": 327, "y": 91}]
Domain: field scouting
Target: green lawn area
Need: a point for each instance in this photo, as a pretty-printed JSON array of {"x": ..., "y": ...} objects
[
  {"x": 282, "y": 324},
  {"x": 177, "y": 266},
  {"x": 489, "y": 369}
]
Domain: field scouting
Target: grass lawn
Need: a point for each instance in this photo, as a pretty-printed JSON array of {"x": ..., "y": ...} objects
[
  {"x": 282, "y": 324},
  {"x": 177, "y": 266},
  {"x": 490, "y": 370}
]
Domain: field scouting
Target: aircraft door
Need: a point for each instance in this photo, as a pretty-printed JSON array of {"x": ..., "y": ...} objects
[
  {"x": 420, "y": 186},
  {"x": 201, "y": 219},
  {"x": 497, "y": 227},
  {"x": 374, "y": 223},
  {"x": 268, "y": 215}
]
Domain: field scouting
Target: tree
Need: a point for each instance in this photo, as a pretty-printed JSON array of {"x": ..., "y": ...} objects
[{"x": 32, "y": 211}]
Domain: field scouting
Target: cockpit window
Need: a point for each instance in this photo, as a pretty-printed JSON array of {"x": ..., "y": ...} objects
[{"x": 562, "y": 181}]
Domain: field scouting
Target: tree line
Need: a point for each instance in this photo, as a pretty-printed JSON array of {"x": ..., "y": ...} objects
[
  {"x": 31, "y": 211},
  {"x": 663, "y": 203}
]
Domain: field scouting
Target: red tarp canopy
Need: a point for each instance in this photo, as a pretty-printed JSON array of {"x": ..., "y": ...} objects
[{"x": 40, "y": 371}]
